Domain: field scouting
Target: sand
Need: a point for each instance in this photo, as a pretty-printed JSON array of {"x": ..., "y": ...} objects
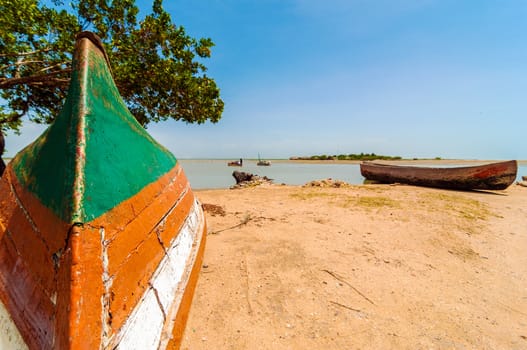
[{"x": 362, "y": 267}]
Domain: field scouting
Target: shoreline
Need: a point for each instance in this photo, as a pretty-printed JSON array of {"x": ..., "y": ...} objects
[
  {"x": 210, "y": 174},
  {"x": 336, "y": 161}
]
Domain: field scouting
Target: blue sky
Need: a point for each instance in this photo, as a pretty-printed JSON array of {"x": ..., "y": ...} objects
[{"x": 414, "y": 78}]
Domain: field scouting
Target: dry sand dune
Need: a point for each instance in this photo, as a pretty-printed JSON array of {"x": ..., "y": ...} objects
[{"x": 362, "y": 267}]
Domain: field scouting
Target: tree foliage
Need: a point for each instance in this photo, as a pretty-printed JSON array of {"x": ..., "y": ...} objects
[
  {"x": 157, "y": 67},
  {"x": 351, "y": 156}
]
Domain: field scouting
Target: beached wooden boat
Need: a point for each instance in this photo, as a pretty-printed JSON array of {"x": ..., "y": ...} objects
[
  {"x": 101, "y": 236},
  {"x": 495, "y": 176}
]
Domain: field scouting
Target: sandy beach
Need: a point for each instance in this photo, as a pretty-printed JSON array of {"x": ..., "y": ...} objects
[{"x": 362, "y": 267}]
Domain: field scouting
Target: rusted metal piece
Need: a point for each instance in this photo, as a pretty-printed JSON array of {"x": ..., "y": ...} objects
[{"x": 495, "y": 176}]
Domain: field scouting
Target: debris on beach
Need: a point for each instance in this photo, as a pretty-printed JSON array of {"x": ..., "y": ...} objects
[
  {"x": 213, "y": 209},
  {"x": 244, "y": 180},
  {"x": 522, "y": 183},
  {"x": 329, "y": 182}
]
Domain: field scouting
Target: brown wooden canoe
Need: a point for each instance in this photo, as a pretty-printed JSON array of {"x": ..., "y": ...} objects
[{"x": 495, "y": 176}]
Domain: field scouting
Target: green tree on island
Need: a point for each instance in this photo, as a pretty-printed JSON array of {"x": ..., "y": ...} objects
[{"x": 157, "y": 67}]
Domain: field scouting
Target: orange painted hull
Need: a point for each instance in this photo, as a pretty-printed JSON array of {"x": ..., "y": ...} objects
[{"x": 75, "y": 286}]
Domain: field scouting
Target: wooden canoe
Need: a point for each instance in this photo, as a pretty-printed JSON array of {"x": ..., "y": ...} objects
[
  {"x": 101, "y": 236},
  {"x": 495, "y": 176}
]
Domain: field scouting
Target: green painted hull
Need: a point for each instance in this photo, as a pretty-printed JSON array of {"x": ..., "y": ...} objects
[{"x": 95, "y": 155}]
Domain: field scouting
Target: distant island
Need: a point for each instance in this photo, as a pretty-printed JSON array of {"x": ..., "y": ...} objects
[{"x": 361, "y": 156}]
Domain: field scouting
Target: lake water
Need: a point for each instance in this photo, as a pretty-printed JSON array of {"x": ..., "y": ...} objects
[{"x": 215, "y": 173}]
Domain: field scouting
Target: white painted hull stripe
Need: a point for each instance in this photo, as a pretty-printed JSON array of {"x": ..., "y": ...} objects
[
  {"x": 10, "y": 337},
  {"x": 159, "y": 304}
]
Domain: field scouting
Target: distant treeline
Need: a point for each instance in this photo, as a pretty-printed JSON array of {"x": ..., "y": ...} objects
[{"x": 362, "y": 156}]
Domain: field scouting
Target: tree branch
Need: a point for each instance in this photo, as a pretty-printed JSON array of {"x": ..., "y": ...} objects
[
  {"x": 20, "y": 54},
  {"x": 19, "y": 63},
  {"x": 12, "y": 118},
  {"x": 54, "y": 66},
  {"x": 352, "y": 287},
  {"x": 40, "y": 79}
]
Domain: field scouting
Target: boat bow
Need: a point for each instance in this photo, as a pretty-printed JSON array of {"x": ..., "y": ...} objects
[{"x": 101, "y": 236}]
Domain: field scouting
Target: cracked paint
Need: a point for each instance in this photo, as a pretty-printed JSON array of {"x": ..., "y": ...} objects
[
  {"x": 106, "y": 318},
  {"x": 167, "y": 287}
]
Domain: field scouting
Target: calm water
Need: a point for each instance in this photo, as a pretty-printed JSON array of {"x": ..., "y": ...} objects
[{"x": 216, "y": 174}]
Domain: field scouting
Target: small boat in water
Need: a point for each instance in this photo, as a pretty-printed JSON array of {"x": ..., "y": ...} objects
[
  {"x": 101, "y": 236},
  {"x": 236, "y": 163},
  {"x": 262, "y": 162},
  {"x": 495, "y": 176}
]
